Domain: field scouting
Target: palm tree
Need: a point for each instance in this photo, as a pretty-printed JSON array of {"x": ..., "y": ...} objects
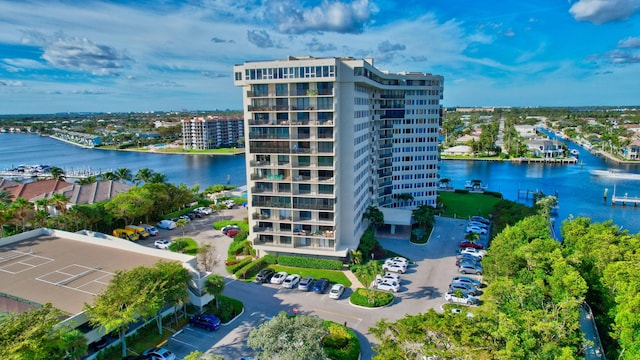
[
  {"x": 59, "y": 201},
  {"x": 143, "y": 175},
  {"x": 158, "y": 178},
  {"x": 86, "y": 180},
  {"x": 124, "y": 175},
  {"x": 424, "y": 216},
  {"x": 40, "y": 217},
  {"x": 6, "y": 214},
  {"x": 109, "y": 175},
  {"x": 57, "y": 173},
  {"x": 21, "y": 208},
  {"x": 214, "y": 286},
  {"x": 181, "y": 223},
  {"x": 5, "y": 197},
  {"x": 374, "y": 215}
]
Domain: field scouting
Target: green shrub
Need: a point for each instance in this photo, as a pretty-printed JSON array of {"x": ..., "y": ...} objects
[
  {"x": 270, "y": 259},
  {"x": 241, "y": 236},
  {"x": 237, "y": 247},
  {"x": 226, "y": 309},
  {"x": 494, "y": 194},
  {"x": 461, "y": 191},
  {"x": 232, "y": 268},
  {"x": 341, "y": 343},
  {"x": 250, "y": 269},
  {"x": 307, "y": 262},
  {"x": 184, "y": 245},
  {"x": 371, "y": 298}
]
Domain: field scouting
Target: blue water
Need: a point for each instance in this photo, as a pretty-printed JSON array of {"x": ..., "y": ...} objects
[{"x": 579, "y": 193}]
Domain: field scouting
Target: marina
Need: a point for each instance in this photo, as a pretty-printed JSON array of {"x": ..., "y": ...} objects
[
  {"x": 579, "y": 191},
  {"x": 22, "y": 172}
]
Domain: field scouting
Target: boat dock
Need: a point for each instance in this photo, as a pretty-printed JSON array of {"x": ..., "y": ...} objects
[
  {"x": 68, "y": 174},
  {"x": 560, "y": 161},
  {"x": 625, "y": 200}
]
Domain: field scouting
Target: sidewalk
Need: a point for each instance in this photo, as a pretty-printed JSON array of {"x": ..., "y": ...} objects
[{"x": 355, "y": 283}]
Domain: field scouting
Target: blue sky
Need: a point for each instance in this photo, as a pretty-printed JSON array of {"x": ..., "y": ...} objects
[{"x": 162, "y": 55}]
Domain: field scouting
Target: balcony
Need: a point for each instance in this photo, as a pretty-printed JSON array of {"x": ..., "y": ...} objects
[{"x": 271, "y": 204}]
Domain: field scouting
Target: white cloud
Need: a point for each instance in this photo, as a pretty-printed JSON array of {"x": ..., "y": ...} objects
[
  {"x": 11, "y": 83},
  {"x": 630, "y": 42},
  {"x": 81, "y": 54},
  {"x": 603, "y": 11},
  {"x": 330, "y": 15}
]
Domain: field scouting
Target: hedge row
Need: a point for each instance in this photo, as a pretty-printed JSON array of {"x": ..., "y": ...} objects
[
  {"x": 237, "y": 247},
  {"x": 312, "y": 263},
  {"x": 241, "y": 236},
  {"x": 232, "y": 268},
  {"x": 270, "y": 259},
  {"x": 250, "y": 269}
]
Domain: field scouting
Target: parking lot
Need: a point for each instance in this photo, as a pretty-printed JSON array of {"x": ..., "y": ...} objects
[{"x": 422, "y": 287}]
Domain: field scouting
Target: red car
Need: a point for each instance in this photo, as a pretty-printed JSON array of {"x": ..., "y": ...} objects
[
  {"x": 233, "y": 232},
  {"x": 474, "y": 245}
]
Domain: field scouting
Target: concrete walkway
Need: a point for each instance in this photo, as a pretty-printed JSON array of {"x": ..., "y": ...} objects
[{"x": 355, "y": 283}]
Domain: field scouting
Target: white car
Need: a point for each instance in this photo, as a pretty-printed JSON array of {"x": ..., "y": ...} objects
[
  {"x": 478, "y": 224},
  {"x": 476, "y": 229},
  {"x": 462, "y": 298},
  {"x": 336, "y": 291},
  {"x": 386, "y": 285},
  {"x": 151, "y": 230},
  {"x": 474, "y": 252},
  {"x": 204, "y": 210},
  {"x": 392, "y": 276},
  {"x": 230, "y": 204},
  {"x": 397, "y": 259},
  {"x": 278, "y": 278},
  {"x": 162, "y": 244},
  {"x": 394, "y": 267},
  {"x": 167, "y": 224},
  {"x": 291, "y": 281}
]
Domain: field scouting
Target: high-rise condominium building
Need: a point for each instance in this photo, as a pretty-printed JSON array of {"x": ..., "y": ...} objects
[
  {"x": 211, "y": 132},
  {"x": 328, "y": 137}
]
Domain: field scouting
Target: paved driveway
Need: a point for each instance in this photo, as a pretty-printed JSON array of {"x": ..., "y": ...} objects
[{"x": 423, "y": 287}]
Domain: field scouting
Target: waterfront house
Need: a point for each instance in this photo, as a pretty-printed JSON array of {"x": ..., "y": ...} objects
[
  {"x": 631, "y": 151},
  {"x": 546, "y": 148}
]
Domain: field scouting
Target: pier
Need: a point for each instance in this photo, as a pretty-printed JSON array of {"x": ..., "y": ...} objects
[
  {"x": 560, "y": 161},
  {"x": 625, "y": 200}
]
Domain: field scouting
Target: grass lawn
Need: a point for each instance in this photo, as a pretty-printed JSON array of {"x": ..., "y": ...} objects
[
  {"x": 191, "y": 248},
  {"x": 335, "y": 277},
  {"x": 462, "y": 205}
]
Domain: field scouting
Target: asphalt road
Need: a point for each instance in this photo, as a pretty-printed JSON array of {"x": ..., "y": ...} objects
[{"x": 422, "y": 288}]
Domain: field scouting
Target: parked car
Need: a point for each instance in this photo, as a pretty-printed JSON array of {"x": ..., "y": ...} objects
[
  {"x": 392, "y": 276},
  {"x": 205, "y": 210},
  {"x": 399, "y": 260},
  {"x": 162, "y": 244},
  {"x": 233, "y": 232},
  {"x": 394, "y": 267},
  {"x": 467, "y": 257},
  {"x": 475, "y": 245},
  {"x": 481, "y": 220},
  {"x": 466, "y": 268},
  {"x": 185, "y": 217},
  {"x": 473, "y": 251},
  {"x": 230, "y": 204},
  {"x": 194, "y": 214},
  {"x": 464, "y": 287},
  {"x": 471, "y": 262},
  {"x": 226, "y": 228},
  {"x": 159, "y": 353},
  {"x": 279, "y": 277},
  {"x": 151, "y": 230},
  {"x": 265, "y": 275},
  {"x": 336, "y": 291},
  {"x": 386, "y": 285},
  {"x": 167, "y": 224},
  {"x": 207, "y": 322},
  {"x": 291, "y": 281},
  {"x": 321, "y": 285},
  {"x": 476, "y": 229},
  {"x": 468, "y": 280},
  {"x": 306, "y": 283},
  {"x": 460, "y": 298},
  {"x": 478, "y": 224}
]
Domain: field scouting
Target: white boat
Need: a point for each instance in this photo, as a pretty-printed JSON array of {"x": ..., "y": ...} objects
[
  {"x": 575, "y": 152},
  {"x": 475, "y": 185},
  {"x": 616, "y": 174}
]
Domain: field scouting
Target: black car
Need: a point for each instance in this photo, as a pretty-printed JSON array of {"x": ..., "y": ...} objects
[
  {"x": 321, "y": 285},
  {"x": 194, "y": 214},
  {"x": 207, "y": 322},
  {"x": 265, "y": 275}
]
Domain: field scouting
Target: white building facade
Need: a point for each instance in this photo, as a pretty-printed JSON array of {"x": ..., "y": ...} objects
[
  {"x": 211, "y": 132},
  {"x": 326, "y": 138}
]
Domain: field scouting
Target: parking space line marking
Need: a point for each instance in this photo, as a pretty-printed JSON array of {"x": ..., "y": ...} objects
[
  {"x": 182, "y": 342},
  {"x": 337, "y": 314}
]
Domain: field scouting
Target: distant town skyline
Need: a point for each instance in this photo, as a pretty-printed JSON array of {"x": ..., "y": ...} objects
[{"x": 121, "y": 56}]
